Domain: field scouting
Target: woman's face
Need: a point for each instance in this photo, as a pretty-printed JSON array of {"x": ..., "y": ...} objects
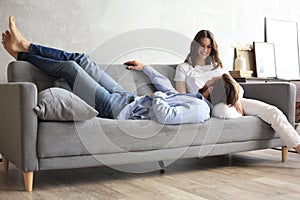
[{"x": 205, "y": 48}]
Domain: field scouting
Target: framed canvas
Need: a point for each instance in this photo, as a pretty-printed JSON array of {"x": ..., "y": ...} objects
[
  {"x": 265, "y": 64},
  {"x": 248, "y": 55},
  {"x": 284, "y": 36}
]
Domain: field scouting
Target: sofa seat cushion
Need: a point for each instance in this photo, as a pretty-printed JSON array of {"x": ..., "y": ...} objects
[{"x": 104, "y": 136}]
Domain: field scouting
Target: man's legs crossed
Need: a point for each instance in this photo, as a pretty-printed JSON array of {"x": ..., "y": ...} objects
[
  {"x": 83, "y": 60},
  {"x": 81, "y": 83}
]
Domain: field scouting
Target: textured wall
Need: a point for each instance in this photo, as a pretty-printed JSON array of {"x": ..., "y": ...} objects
[{"x": 91, "y": 25}]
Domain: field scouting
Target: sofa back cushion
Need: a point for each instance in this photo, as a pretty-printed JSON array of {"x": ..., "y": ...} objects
[
  {"x": 22, "y": 71},
  {"x": 132, "y": 81}
]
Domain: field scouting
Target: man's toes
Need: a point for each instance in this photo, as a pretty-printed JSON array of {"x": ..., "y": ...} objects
[
  {"x": 4, "y": 37},
  {"x": 12, "y": 20},
  {"x": 7, "y": 33},
  {"x": 12, "y": 26}
]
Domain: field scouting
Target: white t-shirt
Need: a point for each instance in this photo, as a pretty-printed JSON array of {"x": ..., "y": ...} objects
[{"x": 196, "y": 77}]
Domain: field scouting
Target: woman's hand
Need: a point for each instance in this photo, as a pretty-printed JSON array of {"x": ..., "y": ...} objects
[{"x": 135, "y": 65}]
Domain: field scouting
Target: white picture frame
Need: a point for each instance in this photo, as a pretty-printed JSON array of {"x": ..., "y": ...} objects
[
  {"x": 265, "y": 64},
  {"x": 284, "y": 36}
]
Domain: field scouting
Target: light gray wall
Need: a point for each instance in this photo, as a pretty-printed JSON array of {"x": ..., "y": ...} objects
[{"x": 93, "y": 25}]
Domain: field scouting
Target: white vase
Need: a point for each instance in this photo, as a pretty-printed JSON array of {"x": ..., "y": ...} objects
[{"x": 240, "y": 63}]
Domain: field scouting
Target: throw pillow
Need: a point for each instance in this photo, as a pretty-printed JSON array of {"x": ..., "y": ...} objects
[
  {"x": 221, "y": 110},
  {"x": 57, "y": 104}
]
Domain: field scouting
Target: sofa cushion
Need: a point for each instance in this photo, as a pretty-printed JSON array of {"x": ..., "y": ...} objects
[
  {"x": 106, "y": 136},
  {"x": 132, "y": 81},
  {"x": 57, "y": 104}
]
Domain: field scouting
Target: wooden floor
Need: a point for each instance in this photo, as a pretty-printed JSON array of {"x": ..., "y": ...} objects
[{"x": 251, "y": 175}]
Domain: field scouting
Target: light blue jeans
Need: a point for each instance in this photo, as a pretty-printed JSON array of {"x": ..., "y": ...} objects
[{"x": 84, "y": 76}]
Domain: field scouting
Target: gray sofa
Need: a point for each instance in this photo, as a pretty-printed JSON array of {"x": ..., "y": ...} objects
[{"x": 33, "y": 145}]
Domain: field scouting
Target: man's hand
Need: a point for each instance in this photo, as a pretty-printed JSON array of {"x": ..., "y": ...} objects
[
  {"x": 158, "y": 93},
  {"x": 135, "y": 65}
]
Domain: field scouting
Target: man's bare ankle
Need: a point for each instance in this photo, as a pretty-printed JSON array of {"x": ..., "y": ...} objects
[{"x": 25, "y": 46}]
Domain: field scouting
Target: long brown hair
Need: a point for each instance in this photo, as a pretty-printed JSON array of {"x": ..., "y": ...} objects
[
  {"x": 225, "y": 90},
  {"x": 214, "y": 55}
]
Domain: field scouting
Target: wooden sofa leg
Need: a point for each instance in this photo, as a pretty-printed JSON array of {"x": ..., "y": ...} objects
[
  {"x": 5, "y": 163},
  {"x": 28, "y": 181},
  {"x": 284, "y": 153}
]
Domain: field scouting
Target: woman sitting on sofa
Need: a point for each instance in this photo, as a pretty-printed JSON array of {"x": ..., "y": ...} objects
[{"x": 202, "y": 64}]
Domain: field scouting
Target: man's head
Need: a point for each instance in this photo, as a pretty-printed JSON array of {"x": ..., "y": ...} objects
[{"x": 222, "y": 89}]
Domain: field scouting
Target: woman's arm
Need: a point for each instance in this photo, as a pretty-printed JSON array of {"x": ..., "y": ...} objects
[
  {"x": 180, "y": 86},
  {"x": 180, "y": 78}
]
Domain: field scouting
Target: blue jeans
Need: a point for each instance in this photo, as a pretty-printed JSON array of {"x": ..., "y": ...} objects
[{"x": 84, "y": 76}]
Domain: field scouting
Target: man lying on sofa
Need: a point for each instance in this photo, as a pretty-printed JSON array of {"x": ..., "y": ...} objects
[{"x": 112, "y": 101}]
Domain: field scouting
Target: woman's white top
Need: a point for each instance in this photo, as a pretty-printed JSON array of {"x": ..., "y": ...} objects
[{"x": 196, "y": 77}]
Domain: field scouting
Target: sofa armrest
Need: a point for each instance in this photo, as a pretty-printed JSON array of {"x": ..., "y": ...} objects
[
  {"x": 280, "y": 94},
  {"x": 19, "y": 124}
]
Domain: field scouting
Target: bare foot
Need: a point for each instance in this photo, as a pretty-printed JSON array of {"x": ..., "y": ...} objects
[
  {"x": 6, "y": 38},
  {"x": 13, "y": 41},
  {"x": 297, "y": 148}
]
